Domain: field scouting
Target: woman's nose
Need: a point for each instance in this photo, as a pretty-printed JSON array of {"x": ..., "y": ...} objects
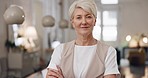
[{"x": 84, "y": 20}]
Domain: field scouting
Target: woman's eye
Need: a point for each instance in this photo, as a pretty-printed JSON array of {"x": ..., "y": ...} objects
[
  {"x": 89, "y": 17},
  {"x": 78, "y": 18}
]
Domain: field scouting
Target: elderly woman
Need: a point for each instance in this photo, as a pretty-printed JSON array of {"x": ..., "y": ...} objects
[{"x": 84, "y": 57}]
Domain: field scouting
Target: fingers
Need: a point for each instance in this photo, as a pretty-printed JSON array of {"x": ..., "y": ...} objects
[
  {"x": 51, "y": 74},
  {"x": 54, "y": 73},
  {"x": 59, "y": 73},
  {"x": 59, "y": 69}
]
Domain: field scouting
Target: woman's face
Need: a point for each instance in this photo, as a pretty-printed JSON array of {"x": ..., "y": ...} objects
[{"x": 83, "y": 22}]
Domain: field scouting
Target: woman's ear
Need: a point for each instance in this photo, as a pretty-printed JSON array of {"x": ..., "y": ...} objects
[
  {"x": 95, "y": 22},
  {"x": 71, "y": 20}
]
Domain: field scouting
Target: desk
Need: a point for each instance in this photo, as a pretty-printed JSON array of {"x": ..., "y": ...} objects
[
  {"x": 134, "y": 72},
  {"x": 21, "y": 64}
]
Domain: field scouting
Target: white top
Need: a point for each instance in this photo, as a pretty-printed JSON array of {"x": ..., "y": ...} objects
[{"x": 82, "y": 59}]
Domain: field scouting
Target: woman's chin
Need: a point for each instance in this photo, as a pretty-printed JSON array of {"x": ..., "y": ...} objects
[{"x": 85, "y": 33}]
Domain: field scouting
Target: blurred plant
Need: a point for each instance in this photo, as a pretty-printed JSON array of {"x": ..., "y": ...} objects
[{"x": 9, "y": 44}]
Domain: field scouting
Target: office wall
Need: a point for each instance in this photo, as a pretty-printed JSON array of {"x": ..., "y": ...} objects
[
  {"x": 133, "y": 16},
  {"x": 3, "y": 29}
]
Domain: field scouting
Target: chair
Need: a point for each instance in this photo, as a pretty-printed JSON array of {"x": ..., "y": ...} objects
[
  {"x": 136, "y": 58},
  {"x": 118, "y": 56}
]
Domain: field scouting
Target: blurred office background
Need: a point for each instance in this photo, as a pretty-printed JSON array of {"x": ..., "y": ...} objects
[{"x": 31, "y": 29}]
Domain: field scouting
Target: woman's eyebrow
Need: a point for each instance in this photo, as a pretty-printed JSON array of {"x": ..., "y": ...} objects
[
  {"x": 81, "y": 15},
  {"x": 78, "y": 15}
]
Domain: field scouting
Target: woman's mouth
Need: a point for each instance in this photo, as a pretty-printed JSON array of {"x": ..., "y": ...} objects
[{"x": 84, "y": 27}]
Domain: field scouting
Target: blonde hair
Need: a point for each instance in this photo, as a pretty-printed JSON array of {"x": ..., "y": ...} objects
[{"x": 87, "y": 5}]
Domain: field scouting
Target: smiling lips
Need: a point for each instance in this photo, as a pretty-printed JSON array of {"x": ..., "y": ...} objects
[{"x": 84, "y": 27}]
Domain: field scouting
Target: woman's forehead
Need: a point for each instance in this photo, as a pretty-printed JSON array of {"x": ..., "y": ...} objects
[{"x": 79, "y": 11}]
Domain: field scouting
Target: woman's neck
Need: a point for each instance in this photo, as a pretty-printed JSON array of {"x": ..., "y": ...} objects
[{"x": 85, "y": 40}]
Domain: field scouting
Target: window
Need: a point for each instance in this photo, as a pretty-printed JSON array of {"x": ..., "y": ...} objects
[
  {"x": 109, "y": 33},
  {"x": 109, "y": 18},
  {"x": 109, "y": 25},
  {"x": 109, "y": 1},
  {"x": 107, "y": 22},
  {"x": 97, "y": 28},
  {"x": 97, "y": 32}
]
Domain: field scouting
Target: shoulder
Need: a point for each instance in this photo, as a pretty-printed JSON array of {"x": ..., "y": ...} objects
[
  {"x": 111, "y": 50},
  {"x": 60, "y": 46},
  {"x": 58, "y": 50},
  {"x": 70, "y": 42},
  {"x": 103, "y": 44},
  {"x": 109, "y": 47},
  {"x": 111, "y": 53}
]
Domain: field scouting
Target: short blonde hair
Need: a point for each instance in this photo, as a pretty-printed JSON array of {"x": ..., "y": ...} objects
[{"x": 87, "y": 5}]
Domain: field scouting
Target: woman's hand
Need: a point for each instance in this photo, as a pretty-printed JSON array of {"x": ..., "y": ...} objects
[
  {"x": 111, "y": 76},
  {"x": 52, "y": 73}
]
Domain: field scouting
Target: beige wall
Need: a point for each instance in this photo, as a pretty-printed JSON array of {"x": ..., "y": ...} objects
[
  {"x": 133, "y": 16},
  {"x": 3, "y": 29},
  {"x": 4, "y": 4}
]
